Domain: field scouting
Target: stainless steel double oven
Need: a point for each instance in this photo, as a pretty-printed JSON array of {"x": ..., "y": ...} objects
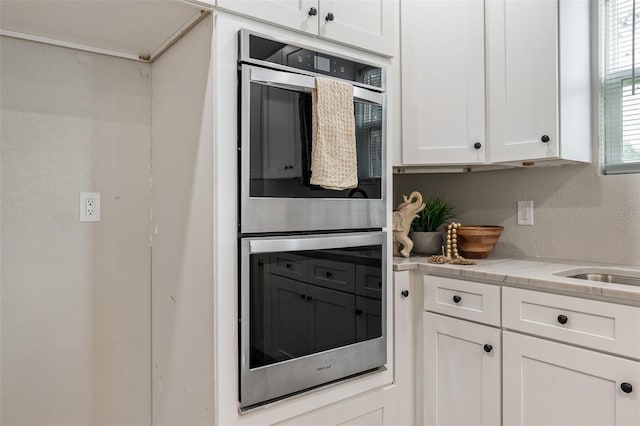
[{"x": 312, "y": 261}]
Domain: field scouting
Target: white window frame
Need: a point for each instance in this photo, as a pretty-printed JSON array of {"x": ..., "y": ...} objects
[{"x": 612, "y": 101}]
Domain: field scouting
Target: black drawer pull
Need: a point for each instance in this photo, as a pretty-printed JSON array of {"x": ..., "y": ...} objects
[
  {"x": 329, "y": 274},
  {"x": 329, "y": 17},
  {"x": 288, "y": 266},
  {"x": 487, "y": 348},
  {"x": 302, "y": 296},
  {"x": 309, "y": 298},
  {"x": 405, "y": 293},
  {"x": 562, "y": 319},
  {"x": 457, "y": 299},
  {"x": 359, "y": 312},
  {"x": 379, "y": 284},
  {"x": 545, "y": 138},
  {"x": 626, "y": 387},
  {"x": 313, "y": 11}
]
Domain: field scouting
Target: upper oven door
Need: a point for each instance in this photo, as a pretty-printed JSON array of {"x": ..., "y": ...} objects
[{"x": 275, "y": 158}]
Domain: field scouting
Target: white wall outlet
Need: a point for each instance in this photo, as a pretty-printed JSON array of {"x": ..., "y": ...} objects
[
  {"x": 525, "y": 213},
  {"x": 89, "y": 207}
]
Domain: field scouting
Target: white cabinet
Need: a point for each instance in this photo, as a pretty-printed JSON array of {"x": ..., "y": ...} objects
[
  {"x": 461, "y": 372},
  {"x": 443, "y": 89},
  {"x": 461, "y": 360},
  {"x": 538, "y": 80},
  {"x": 548, "y": 383},
  {"x": 366, "y": 24},
  {"x": 533, "y": 57},
  {"x": 478, "y": 367}
]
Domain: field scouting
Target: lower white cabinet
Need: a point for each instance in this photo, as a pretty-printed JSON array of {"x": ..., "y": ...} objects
[
  {"x": 478, "y": 367},
  {"x": 548, "y": 383},
  {"x": 461, "y": 372}
]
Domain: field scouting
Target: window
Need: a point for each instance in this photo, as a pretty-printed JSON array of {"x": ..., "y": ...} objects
[{"x": 621, "y": 99}]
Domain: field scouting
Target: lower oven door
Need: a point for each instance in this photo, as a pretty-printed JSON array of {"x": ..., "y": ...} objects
[{"x": 312, "y": 311}]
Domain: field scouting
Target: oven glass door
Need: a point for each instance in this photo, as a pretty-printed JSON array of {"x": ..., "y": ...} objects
[
  {"x": 311, "y": 296},
  {"x": 280, "y": 144},
  {"x": 276, "y": 158}
]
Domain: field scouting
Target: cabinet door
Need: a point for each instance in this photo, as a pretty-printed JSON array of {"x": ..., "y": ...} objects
[
  {"x": 443, "y": 82},
  {"x": 280, "y": 134},
  {"x": 289, "y": 329},
  {"x": 367, "y": 24},
  {"x": 368, "y": 318},
  {"x": 332, "y": 320},
  {"x": 548, "y": 383},
  {"x": 288, "y": 13},
  {"x": 461, "y": 374},
  {"x": 522, "y": 67}
]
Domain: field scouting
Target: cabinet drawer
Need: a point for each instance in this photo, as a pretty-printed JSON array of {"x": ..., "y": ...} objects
[
  {"x": 289, "y": 265},
  {"x": 601, "y": 325},
  {"x": 463, "y": 299},
  {"x": 368, "y": 281},
  {"x": 330, "y": 274}
]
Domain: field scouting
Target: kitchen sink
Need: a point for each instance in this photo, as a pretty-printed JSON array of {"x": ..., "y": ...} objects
[{"x": 603, "y": 275}]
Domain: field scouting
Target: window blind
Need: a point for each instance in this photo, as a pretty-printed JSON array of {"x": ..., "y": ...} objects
[{"x": 621, "y": 26}]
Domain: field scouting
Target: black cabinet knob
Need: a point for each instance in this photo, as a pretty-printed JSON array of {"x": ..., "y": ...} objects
[
  {"x": 626, "y": 387},
  {"x": 309, "y": 298},
  {"x": 477, "y": 145},
  {"x": 359, "y": 312},
  {"x": 562, "y": 319},
  {"x": 487, "y": 348},
  {"x": 457, "y": 299},
  {"x": 288, "y": 266},
  {"x": 302, "y": 296},
  {"x": 328, "y": 274},
  {"x": 405, "y": 293},
  {"x": 313, "y": 11},
  {"x": 545, "y": 138},
  {"x": 329, "y": 17}
]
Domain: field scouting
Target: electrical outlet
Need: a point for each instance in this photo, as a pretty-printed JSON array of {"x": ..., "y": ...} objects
[
  {"x": 89, "y": 207},
  {"x": 525, "y": 213}
]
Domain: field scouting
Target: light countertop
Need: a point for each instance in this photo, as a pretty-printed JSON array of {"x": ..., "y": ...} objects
[{"x": 536, "y": 274}]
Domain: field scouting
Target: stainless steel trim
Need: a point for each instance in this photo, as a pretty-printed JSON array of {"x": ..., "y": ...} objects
[
  {"x": 301, "y": 214},
  {"x": 298, "y": 82},
  {"x": 277, "y": 380},
  {"x": 243, "y": 56},
  {"x": 313, "y": 242}
]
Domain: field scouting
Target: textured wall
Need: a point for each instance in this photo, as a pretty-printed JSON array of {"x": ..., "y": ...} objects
[
  {"x": 183, "y": 232},
  {"x": 577, "y": 213},
  {"x": 75, "y": 296}
]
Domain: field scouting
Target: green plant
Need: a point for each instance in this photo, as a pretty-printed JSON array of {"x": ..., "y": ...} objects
[{"x": 436, "y": 212}]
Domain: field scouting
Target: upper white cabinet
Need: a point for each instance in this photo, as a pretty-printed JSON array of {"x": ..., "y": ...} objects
[
  {"x": 443, "y": 119},
  {"x": 496, "y": 82},
  {"x": 538, "y": 80},
  {"x": 130, "y": 29},
  {"x": 366, "y": 24}
]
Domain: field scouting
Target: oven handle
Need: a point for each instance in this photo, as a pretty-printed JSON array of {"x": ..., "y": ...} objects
[
  {"x": 298, "y": 82},
  {"x": 313, "y": 242}
]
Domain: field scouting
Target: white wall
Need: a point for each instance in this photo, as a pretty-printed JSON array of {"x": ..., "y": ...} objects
[
  {"x": 577, "y": 213},
  {"x": 182, "y": 301},
  {"x": 75, "y": 296}
]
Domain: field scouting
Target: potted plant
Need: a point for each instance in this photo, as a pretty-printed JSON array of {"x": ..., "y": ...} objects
[{"x": 425, "y": 228}]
